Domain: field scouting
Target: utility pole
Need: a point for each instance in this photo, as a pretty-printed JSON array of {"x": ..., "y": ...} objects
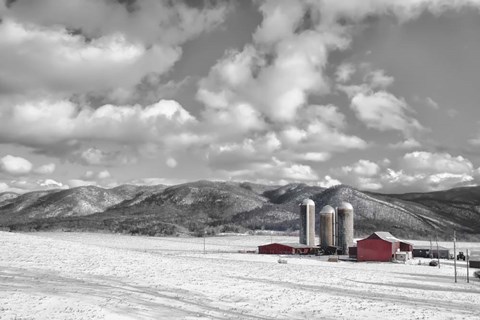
[
  {"x": 438, "y": 252},
  {"x": 204, "y": 233},
  {"x": 468, "y": 275},
  {"x": 455, "y": 254}
]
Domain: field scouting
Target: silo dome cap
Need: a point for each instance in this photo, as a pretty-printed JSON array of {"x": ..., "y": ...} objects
[
  {"x": 327, "y": 209},
  {"x": 345, "y": 206},
  {"x": 308, "y": 202}
]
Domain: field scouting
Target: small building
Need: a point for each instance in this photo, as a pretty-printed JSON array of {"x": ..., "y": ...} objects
[
  {"x": 286, "y": 248},
  {"x": 431, "y": 252},
  {"x": 403, "y": 256},
  {"x": 380, "y": 246}
]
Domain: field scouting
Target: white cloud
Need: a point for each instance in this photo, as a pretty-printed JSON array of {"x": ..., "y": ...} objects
[
  {"x": 270, "y": 171},
  {"x": 362, "y": 167},
  {"x": 34, "y": 57},
  {"x": 104, "y": 174},
  {"x": 344, "y": 72},
  {"x": 432, "y": 103},
  {"x": 50, "y": 183},
  {"x": 315, "y": 156},
  {"x": 149, "y": 21},
  {"x": 157, "y": 181},
  {"x": 4, "y": 187},
  {"x": 88, "y": 45},
  {"x": 427, "y": 162},
  {"x": 89, "y": 174},
  {"x": 171, "y": 162},
  {"x": 409, "y": 143},
  {"x": 383, "y": 111},
  {"x": 28, "y": 184},
  {"x": 367, "y": 183},
  {"x": 73, "y": 183},
  {"x": 52, "y": 124},
  {"x": 377, "y": 79},
  {"x": 45, "y": 169},
  {"x": 328, "y": 182},
  {"x": 15, "y": 165},
  {"x": 426, "y": 171}
]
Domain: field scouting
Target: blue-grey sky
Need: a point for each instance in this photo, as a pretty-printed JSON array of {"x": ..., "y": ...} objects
[{"x": 378, "y": 94}]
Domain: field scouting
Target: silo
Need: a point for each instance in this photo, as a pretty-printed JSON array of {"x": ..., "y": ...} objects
[
  {"x": 345, "y": 226},
  {"x": 307, "y": 222},
  {"x": 326, "y": 226}
]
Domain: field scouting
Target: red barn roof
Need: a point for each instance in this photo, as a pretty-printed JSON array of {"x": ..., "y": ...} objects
[{"x": 285, "y": 248}]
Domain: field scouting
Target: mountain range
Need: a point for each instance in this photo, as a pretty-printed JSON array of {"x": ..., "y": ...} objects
[{"x": 212, "y": 207}]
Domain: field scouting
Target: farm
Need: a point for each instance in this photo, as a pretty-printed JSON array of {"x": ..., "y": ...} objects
[{"x": 110, "y": 276}]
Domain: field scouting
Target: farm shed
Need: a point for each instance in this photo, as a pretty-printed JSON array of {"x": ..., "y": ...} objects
[
  {"x": 284, "y": 248},
  {"x": 380, "y": 246},
  {"x": 425, "y": 252}
]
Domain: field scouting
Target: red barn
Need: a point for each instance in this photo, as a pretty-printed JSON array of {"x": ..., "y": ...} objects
[
  {"x": 380, "y": 246},
  {"x": 284, "y": 248}
]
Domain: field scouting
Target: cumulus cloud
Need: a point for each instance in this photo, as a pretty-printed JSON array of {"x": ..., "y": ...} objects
[
  {"x": 426, "y": 171},
  {"x": 27, "y": 184},
  {"x": 96, "y": 157},
  {"x": 362, "y": 167},
  {"x": 364, "y": 174},
  {"x": 409, "y": 143},
  {"x": 328, "y": 182},
  {"x": 37, "y": 58},
  {"x": 15, "y": 165},
  {"x": 415, "y": 171},
  {"x": 344, "y": 72},
  {"x": 149, "y": 21},
  {"x": 171, "y": 162},
  {"x": 74, "y": 183},
  {"x": 104, "y": 174},
  {"x": 50, "y": 124},
  {"x": 4, "y": 187},
  {"x": 315, "y": 156},
  {"x": 153, "y": 181},
  {"x": 260, "y": 110},
  {"x": 84, "y": 46},
  {"x": 422, "y": 161},
  {"x": 383, "y": 111},
  {"x": 377, "y": 79},
  {"x": 45, "y": 169},
  {"x": 51, "y": 184},
  {"x": 273, "y": 171}
]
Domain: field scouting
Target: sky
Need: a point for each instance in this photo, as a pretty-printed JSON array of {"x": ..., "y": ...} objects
[{"x": 381, "y": 95}]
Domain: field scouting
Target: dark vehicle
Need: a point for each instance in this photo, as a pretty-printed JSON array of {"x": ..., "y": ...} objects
[
  {"x": 477, "y": 274},
  {"x": 433, "y": 263},
  {"x": 460, "y": 256}
]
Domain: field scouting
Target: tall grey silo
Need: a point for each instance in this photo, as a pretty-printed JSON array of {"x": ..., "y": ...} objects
[
  {"x": 327, "y": 215},
  {"x": 345, "y": 226},
  {"x": 307, "y": 222}
]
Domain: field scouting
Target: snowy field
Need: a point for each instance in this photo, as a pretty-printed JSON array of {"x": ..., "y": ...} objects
[{"x": 105, "y": 276}]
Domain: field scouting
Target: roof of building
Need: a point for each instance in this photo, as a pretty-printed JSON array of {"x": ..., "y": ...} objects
[
  {"x": 387, "y": 236},
  {"x": 345, "y": 206},
  {"x": 308, "y": 202},
  {"x": 292, "y": 245},
  {"x": 434, "y": 248},
  {"x": 327, "y": 209}
]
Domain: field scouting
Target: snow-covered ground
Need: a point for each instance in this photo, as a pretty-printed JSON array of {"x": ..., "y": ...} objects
[{"x": 105, "y": 276}]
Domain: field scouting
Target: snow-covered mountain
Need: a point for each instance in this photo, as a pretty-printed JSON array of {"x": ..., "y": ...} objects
[{"x": 231, "y": 206}]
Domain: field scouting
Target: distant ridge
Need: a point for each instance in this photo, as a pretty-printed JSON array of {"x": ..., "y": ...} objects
[{"x": 191, "y": 208}]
